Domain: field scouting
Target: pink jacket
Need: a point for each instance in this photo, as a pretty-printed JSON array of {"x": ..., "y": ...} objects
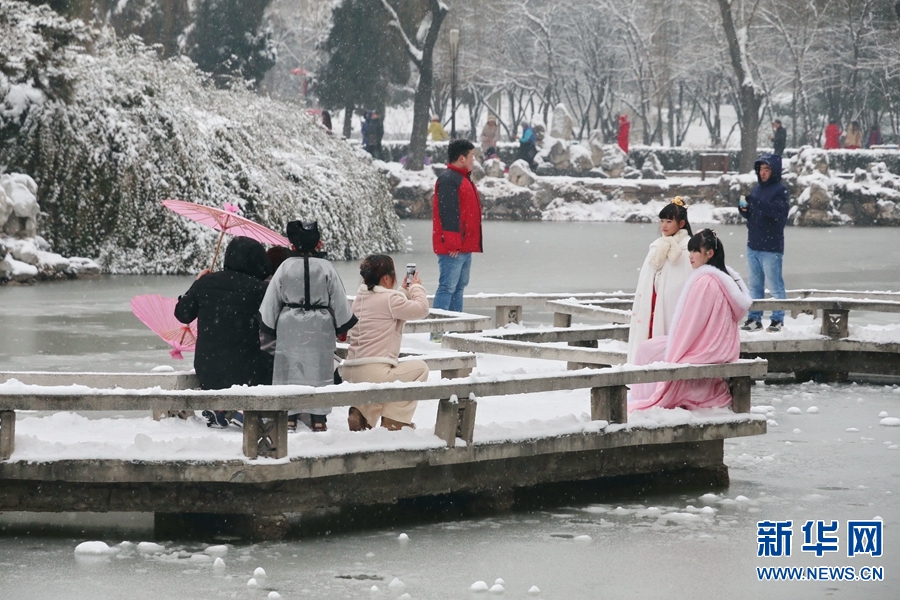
[
  {"x": 704, "y": 331},
  {"x": 382, "y": 313}
]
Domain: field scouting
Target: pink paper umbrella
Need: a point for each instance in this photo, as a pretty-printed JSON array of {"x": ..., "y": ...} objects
[
  {"x": 226, "y": 221},
  {"x": 158, "y": 313}
]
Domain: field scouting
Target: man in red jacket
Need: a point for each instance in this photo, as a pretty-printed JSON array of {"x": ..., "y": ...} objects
[{"x": 456, "y": 224}]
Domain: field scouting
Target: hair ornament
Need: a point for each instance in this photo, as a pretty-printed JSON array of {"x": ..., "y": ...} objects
[{"x": 677, "y": 201}]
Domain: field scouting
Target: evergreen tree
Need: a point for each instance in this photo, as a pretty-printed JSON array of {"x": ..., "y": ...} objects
[
  {"x": 224, "y": 37},
  {"x": 361, "y": 57},
  {"x": 228, "y": 42}
]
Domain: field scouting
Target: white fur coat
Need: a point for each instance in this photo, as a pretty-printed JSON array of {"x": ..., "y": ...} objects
[{"x": 666, "y": 269}]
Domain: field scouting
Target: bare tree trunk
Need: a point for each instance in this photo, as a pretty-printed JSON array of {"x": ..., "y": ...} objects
[
  {"x": 348, "y": 120},
  {"x": 423, "y": 58},
  {"x": 749, "y": 94}
]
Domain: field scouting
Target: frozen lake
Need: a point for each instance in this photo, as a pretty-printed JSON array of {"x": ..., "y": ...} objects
[
  {"x": 88, "y": 325},
  {"x": 835, "y": 464}
]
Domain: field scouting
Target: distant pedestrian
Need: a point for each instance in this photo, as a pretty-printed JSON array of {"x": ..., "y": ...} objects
[
  {"x": 456, "y": 225},
  {"x": 875, "y": 138},
  {"x": 437, "y": 131},
  {"x": 624, "y": 130},
  {"x": 326, "y": 120},
  {"x": 832, "y": 136},
  {"x": 766, "y": 210},
  {"x": 853, "y": 138},
  {"x": 374, "y": 134},
  {"x": 779, "y": 138},
  {"x": 527, "y": 145},
  {"x": 304, "y": 309},
  {"x": 364, "y": 128},
  {"x": 490, "y": 134}
]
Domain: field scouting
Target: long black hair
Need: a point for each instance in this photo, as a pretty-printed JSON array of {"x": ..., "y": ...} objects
[
  {"x": 708, "y": 240},
  {"x": 677, "y": 211}
]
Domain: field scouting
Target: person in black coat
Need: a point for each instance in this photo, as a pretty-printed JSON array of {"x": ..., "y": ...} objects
[
  {"x": 226, "y": 304},
  {"x": 779, "y": 138}
]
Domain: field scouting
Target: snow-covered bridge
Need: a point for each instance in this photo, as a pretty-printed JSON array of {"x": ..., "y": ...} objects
[{"x": 361, "y": 468}]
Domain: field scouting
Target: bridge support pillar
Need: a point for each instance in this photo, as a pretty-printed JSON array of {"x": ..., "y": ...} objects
[
  {"x": 740, "y": 394},
  {"x": 609, "y": 404},
  {"x": 7, "y": 433},
  {"x": 835, "y": 323},
  {"x": 265, "y": 434},
  {"x": 455, "y": 420},
  {"x": 504, "y": 315},
  {"x": 562, "y": 320}
]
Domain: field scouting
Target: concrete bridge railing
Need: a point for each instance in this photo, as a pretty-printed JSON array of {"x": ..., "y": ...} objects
[
  {"x": 835, "y": 311},
  {"x": 509, "y": 308},
  {"x": 265, "y": 407}
]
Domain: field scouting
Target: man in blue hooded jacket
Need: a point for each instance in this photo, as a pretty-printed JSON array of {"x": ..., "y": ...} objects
[{"x": 766, "y": 210}]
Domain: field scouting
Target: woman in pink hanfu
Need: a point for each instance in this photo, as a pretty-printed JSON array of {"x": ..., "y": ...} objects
[{"x": 704, "y": 331}]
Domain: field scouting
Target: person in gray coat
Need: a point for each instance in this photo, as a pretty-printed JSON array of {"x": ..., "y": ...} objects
[{"x": 305, "y": 308}]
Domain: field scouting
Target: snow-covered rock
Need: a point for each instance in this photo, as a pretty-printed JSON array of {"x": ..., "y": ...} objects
[
  {"x": 809, "y": 161},
  {"x": 561, "y": 126},
  {"x": 494, "y": 167},
  {"x": 613, "y": 161},
  {"x": 545, "y": 169},
  {"x": 580, "y": 158},
  {"x": 24, "y": 255},
  {"x": 557, "y": 153},
  {"x": 595, "y": 142},
  {"x": 478, "y": 172},
  {"x": 18, "y": 205},
  {"x": 520, "y": 174},
  {"x": 652, "y": 168}
]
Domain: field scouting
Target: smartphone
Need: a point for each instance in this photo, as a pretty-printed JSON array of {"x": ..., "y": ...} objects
[{"x": 410, "y": 272}]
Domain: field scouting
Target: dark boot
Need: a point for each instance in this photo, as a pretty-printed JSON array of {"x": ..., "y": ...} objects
[
  {"x": 356, "y": 421},
  {"x": 392, "y": 425}
]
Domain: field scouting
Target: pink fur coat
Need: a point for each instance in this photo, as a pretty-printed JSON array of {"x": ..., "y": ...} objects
[{"x": 704, "y": 331}]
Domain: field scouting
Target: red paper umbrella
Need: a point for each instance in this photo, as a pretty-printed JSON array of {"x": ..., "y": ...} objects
[
  {"x": 158, "y": 313},
  {"x": 226, "y": 221}
]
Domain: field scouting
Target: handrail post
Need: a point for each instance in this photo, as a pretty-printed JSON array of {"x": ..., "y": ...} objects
[
  {"x": 265, "y": 433},
  {"x": 7, "y": 433},
  {"x": 609, "y": 404},
  {"x": 506, "y": 314},
  {"x": 740, "y": 394},
  {"x": 835, "y": 323}
]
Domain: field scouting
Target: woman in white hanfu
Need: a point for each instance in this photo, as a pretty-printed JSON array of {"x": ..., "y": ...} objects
[{"x": 662, "y": 277}]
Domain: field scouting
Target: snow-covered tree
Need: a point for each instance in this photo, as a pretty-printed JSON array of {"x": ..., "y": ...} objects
[
  {"x": 360, "y": 58},
  {"x": 420, "y": 48},
  {"x": 224, "y": 37},
  {"x": 107, "y": 130}
]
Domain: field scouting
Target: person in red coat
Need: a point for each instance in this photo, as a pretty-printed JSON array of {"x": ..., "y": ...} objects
[
  {"x": 456, "y": 225},
  {"x": 624, "y": 128},
  {"x": 832, "y": 136}
]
